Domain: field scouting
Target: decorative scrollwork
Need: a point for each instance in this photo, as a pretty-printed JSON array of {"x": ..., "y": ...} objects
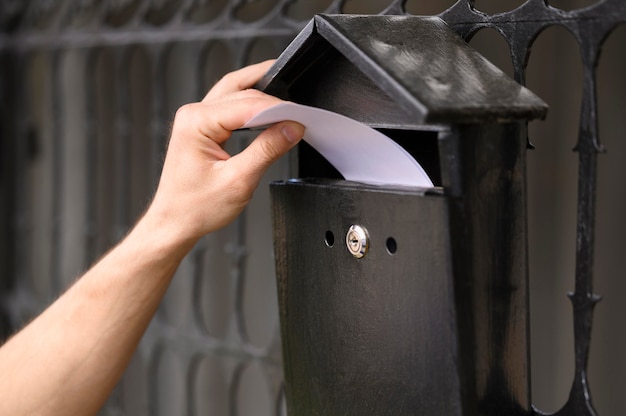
[
  {"x": 160, "y": 12},
  {"x": 38, "y": 14},
  {"x": 11, "y": 12},
  {"x": 119, "y": 5},
  {"x": 590, "y": 26}
]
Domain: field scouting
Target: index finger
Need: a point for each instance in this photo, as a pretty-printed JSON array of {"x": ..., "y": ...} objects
[
  {"x": 239, "y": 80},
  {"x": 217, "y": 119}
]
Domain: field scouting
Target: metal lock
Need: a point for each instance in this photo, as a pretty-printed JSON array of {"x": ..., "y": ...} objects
[{"x": 357, "y": 241}]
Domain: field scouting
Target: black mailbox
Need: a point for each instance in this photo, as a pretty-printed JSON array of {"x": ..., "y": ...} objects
[{"x": 433, "y": 318}]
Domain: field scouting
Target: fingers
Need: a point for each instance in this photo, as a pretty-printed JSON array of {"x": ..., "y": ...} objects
[
  {"x": 238, "y": 80},
  {"x": 267, "y": 148},
  {"x": 217, "y": 120},
  {"x": 203, "y": 188}
]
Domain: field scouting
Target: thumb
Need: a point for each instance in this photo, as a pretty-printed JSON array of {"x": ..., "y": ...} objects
[{"x": 268, "y": 147}]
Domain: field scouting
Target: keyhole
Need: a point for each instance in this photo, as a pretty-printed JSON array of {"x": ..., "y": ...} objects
[
  {"x": 354, "y": 243},
  {"x": 357, "y": 241}
]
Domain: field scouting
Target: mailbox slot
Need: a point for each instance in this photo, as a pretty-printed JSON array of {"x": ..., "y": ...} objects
[{"x": 423, "y": 145}]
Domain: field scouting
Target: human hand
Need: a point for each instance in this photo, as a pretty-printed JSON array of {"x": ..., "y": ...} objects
[
  {"x": 203, "y": 188},
  {"x": 92, "y": 330}
]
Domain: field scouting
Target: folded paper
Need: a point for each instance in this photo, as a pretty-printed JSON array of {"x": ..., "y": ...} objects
[{"x": 358, "y": 152}]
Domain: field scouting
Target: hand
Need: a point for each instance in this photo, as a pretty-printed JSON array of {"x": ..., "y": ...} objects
[
  {"x": 202, "y": 187},
  {"x": 90, "y": 333}
]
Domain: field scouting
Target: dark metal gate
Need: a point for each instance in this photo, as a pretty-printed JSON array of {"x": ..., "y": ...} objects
[{"x": 88, "y": 89}]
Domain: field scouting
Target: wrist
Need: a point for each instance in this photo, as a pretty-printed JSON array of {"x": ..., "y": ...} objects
[{"x": 161, "y": 231}]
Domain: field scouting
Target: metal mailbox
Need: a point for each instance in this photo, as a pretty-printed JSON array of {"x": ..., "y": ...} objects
[{"x": 402, "y": 301}]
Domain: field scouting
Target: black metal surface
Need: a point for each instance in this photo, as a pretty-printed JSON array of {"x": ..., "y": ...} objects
[
  {"x": 590, "y": 27},
  {"x": 484, "y": 169},
  {"x": 483, "y": 174},
  {"x": 333, "y": 307},
  {"x": 369, "y": 336},
  {"x": 7, "y": 184},
  {"x": 483, "y": 246},
  {"x": 419, "y": 70}
]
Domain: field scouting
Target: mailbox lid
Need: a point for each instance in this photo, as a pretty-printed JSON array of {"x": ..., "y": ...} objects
[
  {"x": 374, "y": 335},
  {"x": 414, "y": 70}
]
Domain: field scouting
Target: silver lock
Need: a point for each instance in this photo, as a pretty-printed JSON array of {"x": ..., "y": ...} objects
[{"x": 357, "y": 241}]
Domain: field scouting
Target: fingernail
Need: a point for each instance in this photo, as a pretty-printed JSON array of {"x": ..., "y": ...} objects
[{"x": 293, "y": 131}]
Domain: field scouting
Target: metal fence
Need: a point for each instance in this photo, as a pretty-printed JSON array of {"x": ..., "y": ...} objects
[{"x": 88, "y": 89}]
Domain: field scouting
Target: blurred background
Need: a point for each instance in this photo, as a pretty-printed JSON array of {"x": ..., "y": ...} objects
[{"x": 88, "y": 90}]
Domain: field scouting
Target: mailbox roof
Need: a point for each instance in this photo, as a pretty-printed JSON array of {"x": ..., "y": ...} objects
[{"x": 419, "y": 64}]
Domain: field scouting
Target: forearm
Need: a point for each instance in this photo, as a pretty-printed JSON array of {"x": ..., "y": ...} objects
[
  {"x": 79, "y": 347},
  {"x": 67, "y": 361}
]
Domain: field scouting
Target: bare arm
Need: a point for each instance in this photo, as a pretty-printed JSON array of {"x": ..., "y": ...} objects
[{"x": 67, "y": 361}]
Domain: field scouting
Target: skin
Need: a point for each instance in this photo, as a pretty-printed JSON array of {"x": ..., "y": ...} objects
[{"x": 67, "y": 360}]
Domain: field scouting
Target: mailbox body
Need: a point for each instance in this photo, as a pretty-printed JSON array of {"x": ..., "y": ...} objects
[
  {"x": 367, "y": 336},
  {"x": 440, "y": 327}
]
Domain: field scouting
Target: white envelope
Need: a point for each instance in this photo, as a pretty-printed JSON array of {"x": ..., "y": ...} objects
[{"x": 358, "y": 152}]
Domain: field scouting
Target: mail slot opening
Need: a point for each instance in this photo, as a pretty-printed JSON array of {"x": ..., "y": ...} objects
[{"x": 422, "y": 145}]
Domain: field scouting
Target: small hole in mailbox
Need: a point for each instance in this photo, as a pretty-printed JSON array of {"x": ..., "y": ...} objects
[
  {"x": 329, "y": 238},
  {"x": 392, "y": 246}
]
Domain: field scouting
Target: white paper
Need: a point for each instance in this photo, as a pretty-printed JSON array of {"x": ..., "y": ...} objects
[{"x": 358, "y": 152}]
